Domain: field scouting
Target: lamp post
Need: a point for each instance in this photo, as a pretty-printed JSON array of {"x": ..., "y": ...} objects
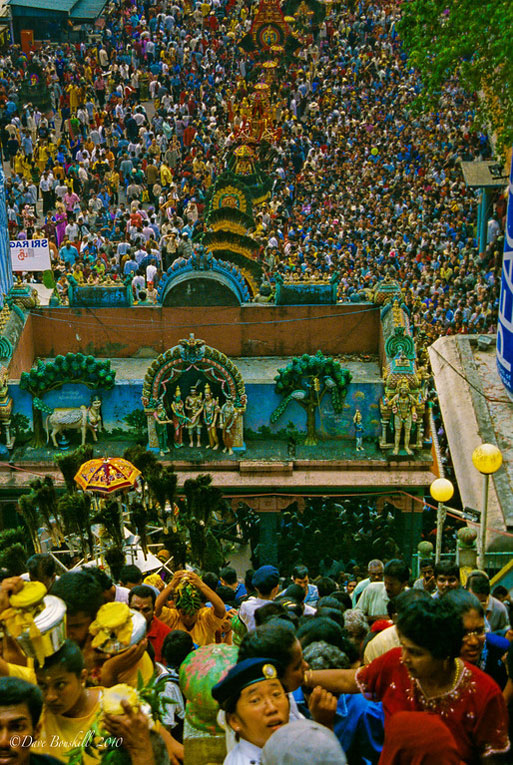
[
  {"x": 487, "y": 458},
  {"x": 441, "y": 490}
]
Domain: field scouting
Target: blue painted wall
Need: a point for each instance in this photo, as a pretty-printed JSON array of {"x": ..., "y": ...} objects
[
  {"x": 262, "y": 401},
  {"x": 125, "y": 397}
]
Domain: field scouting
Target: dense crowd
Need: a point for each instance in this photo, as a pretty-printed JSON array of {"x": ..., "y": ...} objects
[
  {"x": 340, "y": 669},
  {"x": 118, "y": 172}
]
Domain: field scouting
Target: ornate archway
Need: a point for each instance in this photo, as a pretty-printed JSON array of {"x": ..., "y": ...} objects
[
  {"x": 193, "y": 356},
  {"x": 209, "y": 282}
]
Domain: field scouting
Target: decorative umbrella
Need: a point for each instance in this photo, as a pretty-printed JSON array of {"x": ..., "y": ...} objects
[{"x": 107, "y": 475}]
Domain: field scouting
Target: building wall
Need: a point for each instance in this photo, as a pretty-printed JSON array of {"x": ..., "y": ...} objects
[
  {"x": 125, "y": 398},
  {"x": 24, "y": 354},
  {"x": 236, "y": 331}
]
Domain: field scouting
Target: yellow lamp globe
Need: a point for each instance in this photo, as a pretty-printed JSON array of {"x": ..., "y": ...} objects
[
  {"x": 487, "y": 458},
  {"x": 441, "y": 490}
]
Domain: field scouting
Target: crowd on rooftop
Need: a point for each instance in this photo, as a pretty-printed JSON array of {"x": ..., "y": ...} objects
[{"x": 117, "y": 173}]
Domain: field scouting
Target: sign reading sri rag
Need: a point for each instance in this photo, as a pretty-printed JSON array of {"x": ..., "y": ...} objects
[{"x": 30, "y": 255}]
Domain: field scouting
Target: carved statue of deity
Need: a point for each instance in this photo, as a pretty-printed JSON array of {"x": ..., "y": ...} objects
[
  {"x": 178, "y": 418},
  {"x": 161, "y": 422},
  {"x": 359, "y": 430},
  {"x": 5, "y": 407},
  {"x": 210, "y": 416},
  {"x": 227, "y": 420},
  {"x": 194, "y": 408},
  {"x": 404, "y": 410}
]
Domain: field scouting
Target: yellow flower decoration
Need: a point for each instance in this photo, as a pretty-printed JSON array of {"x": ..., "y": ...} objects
[
  {"x": 19, "y": 618},
  {"x": 113, "y": 622},
  {"x": 154, "y": 580}
]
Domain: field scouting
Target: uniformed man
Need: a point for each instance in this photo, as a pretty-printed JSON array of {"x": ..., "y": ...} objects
[{"x": 256, "y": 705}]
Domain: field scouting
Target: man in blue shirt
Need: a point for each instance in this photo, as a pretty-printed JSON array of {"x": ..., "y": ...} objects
[
  {"x": 228, "y": 578},
  {"x": 131, "y": 265},
  {"x": 68, "y": 253}
]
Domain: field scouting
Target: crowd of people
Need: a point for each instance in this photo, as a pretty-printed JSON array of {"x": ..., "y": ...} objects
[
  {"x": 117, "y": 173},
  {"x": 328, "y": 671}
]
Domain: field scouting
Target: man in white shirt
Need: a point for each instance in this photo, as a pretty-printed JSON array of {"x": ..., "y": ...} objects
[
  {"x": 138, "y": 284},
  {"x": 375, "y": 574},
  {"x": 374, "y": 599},
  {"x": 266, "y": 581},
  {"x": 151, "y": 270},
  {"x": 496, "y": 612}
]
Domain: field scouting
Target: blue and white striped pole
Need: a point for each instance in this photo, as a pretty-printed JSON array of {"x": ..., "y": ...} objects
[{"x": 505, "y": 324}]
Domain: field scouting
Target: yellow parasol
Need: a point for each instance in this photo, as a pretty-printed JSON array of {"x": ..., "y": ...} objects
[{"x": 107, "y": 475}]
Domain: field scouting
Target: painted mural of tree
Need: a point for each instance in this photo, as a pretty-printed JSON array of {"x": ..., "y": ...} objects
[
  {"x": 201, "y": 505},
  {"x": 307, "y": 380},
  {"x": 71, "y": 368}
]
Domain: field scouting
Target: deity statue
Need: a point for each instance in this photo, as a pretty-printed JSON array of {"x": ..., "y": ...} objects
[
  {"x": 210, "y": 415},
  {"x": 404, "y": 409},
  {"x": 194, "y": 408},
  {"x": 161, "y": 422},
  {"x": 6, "y": 407},
  {"x": 94, "y": 416},
  {"x": 359, "y": 430},
  {"x": 227, "y": 421},
  {"x": 179, "y": 418}
]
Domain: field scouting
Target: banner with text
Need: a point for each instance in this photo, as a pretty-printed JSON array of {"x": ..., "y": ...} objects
[{"x": 30, "y": 255}]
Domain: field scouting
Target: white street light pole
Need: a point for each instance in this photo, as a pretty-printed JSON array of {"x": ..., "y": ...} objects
[
  {"x": 487, "y": 458},
  {"x": 441, "y": 490}
]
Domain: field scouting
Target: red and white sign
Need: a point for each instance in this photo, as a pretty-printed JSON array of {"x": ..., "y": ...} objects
[{"x": 30, "y": 255}]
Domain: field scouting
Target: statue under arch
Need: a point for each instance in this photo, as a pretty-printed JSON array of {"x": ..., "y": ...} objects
[{"x": 194, "y": 396}]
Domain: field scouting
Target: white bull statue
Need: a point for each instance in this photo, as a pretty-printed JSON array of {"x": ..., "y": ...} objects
[{"x": 74, "y": 418}]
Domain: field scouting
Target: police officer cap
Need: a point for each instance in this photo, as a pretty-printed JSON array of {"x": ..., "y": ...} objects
[{"x": 245, "y": 673}]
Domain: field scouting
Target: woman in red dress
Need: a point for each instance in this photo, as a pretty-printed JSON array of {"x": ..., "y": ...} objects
[{"x": 426, "y": 675}]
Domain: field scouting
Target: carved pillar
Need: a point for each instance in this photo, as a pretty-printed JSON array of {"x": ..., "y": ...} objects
[
  {"x": 238, "y": 439},
  {"x": 153, "y": 441}
]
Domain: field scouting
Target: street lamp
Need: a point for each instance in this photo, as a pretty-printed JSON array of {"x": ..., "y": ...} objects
[
  {"x": 487, "y": 458},
  {"x": 441, "y": 490}
]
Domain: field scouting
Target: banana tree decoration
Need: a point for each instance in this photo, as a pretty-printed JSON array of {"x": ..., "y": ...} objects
[{"x": 307, "y": 380}]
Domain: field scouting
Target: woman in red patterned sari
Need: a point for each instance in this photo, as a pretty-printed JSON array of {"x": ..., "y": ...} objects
[{"x": 426, "y": 675}]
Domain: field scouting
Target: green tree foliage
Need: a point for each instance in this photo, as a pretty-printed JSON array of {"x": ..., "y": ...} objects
[
  {"x": 139, "y": 517},
  {"x": 198, "y": 510},
  {"x": 142, "y": 458},
  {"x": 74, "y": 368},
  {"x": 71, "y": 368},
  {"x": 30, "y": 514},
  {"x": 14, "y": 550},
  {"x": 109, "y": 515},
  {"x": 468, "y": 40},
  {"x": 70, "y": 462},
  {"x": 13, "y": 559},
  {"x": 74, "y": 509},
  {"x": 138, "y": 425},
  {"x": 115, "y": 558},
  {"x": 306, "y": 380}
]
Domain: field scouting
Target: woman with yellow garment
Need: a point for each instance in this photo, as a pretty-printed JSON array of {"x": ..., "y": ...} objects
[
  {"x": 40, "y": 156},
  {"x": 75, "y": 97},
  {"x": 26, "y": 169},
  {"x": 18, "y": 163}
]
